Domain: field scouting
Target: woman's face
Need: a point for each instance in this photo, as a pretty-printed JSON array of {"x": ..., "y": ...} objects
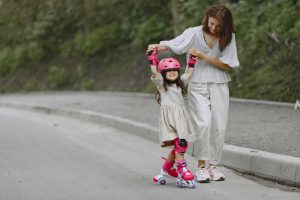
[
  {"x": 172, "y": 75},
  {"x": 214, "y": 25}
]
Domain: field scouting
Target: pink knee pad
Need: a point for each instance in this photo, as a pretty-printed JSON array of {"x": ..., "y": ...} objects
[
  {"x": 167, "y": 165},
  {"x": 180, "y": 145},
  {"x": 169, "y": 168}
]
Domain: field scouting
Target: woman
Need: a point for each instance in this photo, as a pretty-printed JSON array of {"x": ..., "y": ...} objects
[{"x": 213, "y": 44}]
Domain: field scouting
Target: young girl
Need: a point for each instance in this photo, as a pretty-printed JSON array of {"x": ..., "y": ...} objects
[{"x": 175, "y": 128}]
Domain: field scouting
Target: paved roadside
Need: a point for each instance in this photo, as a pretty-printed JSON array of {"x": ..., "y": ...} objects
[
  {"x": 54, "y": 157},
  {"x": 271, "y": 128}
]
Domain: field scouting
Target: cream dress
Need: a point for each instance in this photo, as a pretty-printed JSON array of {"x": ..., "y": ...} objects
[{"x": 174, "y": 121}]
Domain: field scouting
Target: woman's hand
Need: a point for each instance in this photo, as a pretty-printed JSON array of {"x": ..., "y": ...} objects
[
  {"x": 152, "y": 47},
  {"x": 211, "y": 60},
  {"x": 198, "y": 54},
  {"x": 159, "y": 47}
]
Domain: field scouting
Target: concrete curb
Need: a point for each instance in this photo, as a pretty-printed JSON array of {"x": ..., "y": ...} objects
[
  {"x": 231, "y": 99},
  {"x": 261, "y": 102},
  {"x": 276, "y": 167}
]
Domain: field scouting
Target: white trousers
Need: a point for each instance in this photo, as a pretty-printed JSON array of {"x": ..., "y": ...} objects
[{"x": 209, "y": 103}]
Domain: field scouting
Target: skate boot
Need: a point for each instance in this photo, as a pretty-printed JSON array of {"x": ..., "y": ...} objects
[
  {"x": 161, "y": 178},
  {"x": 168, "y": 171},
  {"x": 185, "y": 177}
]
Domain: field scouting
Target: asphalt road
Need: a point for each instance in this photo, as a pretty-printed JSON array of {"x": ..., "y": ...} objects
[
  {"x": 52, "y": 157},
  {"x": 270, "y": 128}
]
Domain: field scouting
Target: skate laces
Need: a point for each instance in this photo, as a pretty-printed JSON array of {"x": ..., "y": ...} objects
[
  {"x": 185, "y": 170},
  {"x": 163, "y": 172},
  {"x": 181, "y": 166}
]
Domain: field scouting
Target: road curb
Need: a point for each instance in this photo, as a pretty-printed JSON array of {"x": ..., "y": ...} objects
[
  {"x": 281, "y": 168},
  {"x": 262, "y": 102}
]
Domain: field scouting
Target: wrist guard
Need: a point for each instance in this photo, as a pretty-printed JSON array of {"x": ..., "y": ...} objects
[
  {"x": 152, "y": 57},
  {"x": 192, "y": 61}
]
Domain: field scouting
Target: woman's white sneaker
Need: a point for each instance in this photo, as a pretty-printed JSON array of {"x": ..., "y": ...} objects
[
  {"x": 215, "y": 174},
  {"x": 202, "y": 175}
]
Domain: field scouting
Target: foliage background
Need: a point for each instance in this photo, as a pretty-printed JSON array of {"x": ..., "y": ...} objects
[{"x": 100, "y": 44}]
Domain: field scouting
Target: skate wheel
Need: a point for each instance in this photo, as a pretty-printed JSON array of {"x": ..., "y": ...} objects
[
  {"x": 162, "y": 182},
  {"x": 194, "y": 184},
  {"x": 179, "y": 184}
]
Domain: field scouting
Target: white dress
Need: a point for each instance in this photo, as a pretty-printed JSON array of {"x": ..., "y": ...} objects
[{"x": 174, "y": 121}]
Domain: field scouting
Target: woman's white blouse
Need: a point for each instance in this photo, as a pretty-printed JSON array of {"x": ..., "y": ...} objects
[{"x": 203, "y": 71}]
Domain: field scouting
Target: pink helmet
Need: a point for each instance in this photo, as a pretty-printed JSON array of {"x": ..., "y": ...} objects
[{"x": 168, "y": 63}]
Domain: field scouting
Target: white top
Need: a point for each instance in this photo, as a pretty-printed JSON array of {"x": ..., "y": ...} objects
[{"x": 203, "y": 71}]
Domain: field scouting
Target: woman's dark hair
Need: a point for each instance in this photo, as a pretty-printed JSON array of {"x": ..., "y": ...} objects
[
  {"x": 224, "y": 16},
  {"x": 168, "y": 83}
]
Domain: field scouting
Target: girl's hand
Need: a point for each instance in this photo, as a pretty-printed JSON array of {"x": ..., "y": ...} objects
[{"x": 198, "y": 54}]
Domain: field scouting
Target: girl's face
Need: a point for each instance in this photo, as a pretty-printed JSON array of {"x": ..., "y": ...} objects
[
  {"x": 214, "y": 25},
  {"x": 172, "y": 75}
]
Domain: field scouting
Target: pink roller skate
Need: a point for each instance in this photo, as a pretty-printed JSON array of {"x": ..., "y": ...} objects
[
  {"x": 167, "y": 172},
  {"x": 161, "y": 178},
  {"x": 185, "y": 177}
]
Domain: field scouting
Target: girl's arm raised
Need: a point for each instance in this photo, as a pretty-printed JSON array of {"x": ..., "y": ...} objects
[
  {"x": 187, "y": 75},
  {"x": 189, "y": 70},
  {"x": 152, "y": 57},
  {"x": 154, "y": 71}
]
